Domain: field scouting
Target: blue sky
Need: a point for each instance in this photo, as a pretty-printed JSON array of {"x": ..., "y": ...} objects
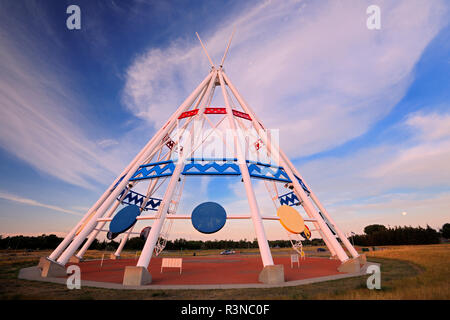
[{"x": 364, "y": 114}]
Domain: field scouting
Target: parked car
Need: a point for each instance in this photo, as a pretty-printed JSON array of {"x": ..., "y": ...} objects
[
  {"x": 226, "y": 252},
  {"x": 321, "y": 250}
]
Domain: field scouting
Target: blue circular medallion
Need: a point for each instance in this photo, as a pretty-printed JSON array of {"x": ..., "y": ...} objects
[
  {"x": 110, "y": 235},
  {"x": 208, "y": 217},
  {"x": 124, "y": 219},
  {"x": 144, "y": 233}
]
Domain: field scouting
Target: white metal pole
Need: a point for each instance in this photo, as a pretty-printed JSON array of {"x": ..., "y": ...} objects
[
  {"x": 329, "y": 239},
  {"x": 94, "y": 233},
  {"x": 204, "y": 49},
  {"x": 307, "y": 205},
  {"x": 155, "y": 231},
  {"x": 63, "y": 245},
  {"x": 150, "y": 190},
  {"x": 256, "y": 217},
  {"x": 170, "y": 125},
  {"x": 153, "y": 236},
  {"x": 322, "y": 209},
  {"x": 316, "y": 225},
  {"x": 122, "y": 242},
  {"x": 100, "y": 226},
  {"x": 226, "y": 50},
  {"x": 69, "y": 237}
]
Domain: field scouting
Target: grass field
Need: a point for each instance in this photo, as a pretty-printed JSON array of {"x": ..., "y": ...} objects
[{"x": 407, "y": 272}]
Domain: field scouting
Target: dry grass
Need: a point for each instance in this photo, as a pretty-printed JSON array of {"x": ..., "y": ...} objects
[
  {"x": 407, "y": 272},
  {"x": 431, "y": 283}
]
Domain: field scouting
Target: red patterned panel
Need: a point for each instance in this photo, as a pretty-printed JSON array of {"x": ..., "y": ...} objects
[
  {"x": 215, "y": 110},
  {"x": 188, "y": 114},
  {"x": 241, "y": 115}
]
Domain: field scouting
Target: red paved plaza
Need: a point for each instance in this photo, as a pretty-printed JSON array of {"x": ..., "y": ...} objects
[{"x": 233, "y": 269}]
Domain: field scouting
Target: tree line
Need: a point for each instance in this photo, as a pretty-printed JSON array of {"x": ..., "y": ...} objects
[
  {"x": 374, "y": 235},
  {"x": 379, "y": 235},
  {"x": 45, "y": 242}
]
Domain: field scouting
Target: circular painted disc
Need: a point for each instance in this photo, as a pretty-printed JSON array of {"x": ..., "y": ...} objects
[
  {"x": 124, "y": 219},
  {"x": 145, "y": 232},
  {"x": 208, "y": 217},
  {"x": 110, "y": 235},
  {"x": 290, "y": 219},
  {"x": 306, "y": 233}
]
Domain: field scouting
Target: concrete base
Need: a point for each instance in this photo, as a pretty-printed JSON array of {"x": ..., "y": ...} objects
[
  {"x": 41, "y": 262},
  {"x": 350, "y": 266},
  {"x": 136, "y": 276},
  {"x": 51, "y": 269},
  {"x": 362, "y": 259},
  {"x": 112, "y": 256},
  {"x": 75, "y": 259},
  {"x": 272, "y": 274}
]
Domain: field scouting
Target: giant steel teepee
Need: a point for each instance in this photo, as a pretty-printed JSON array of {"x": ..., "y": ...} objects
[{"x": 166, "y": 160}]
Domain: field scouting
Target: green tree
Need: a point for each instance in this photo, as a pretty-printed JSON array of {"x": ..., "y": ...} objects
[
  {"x": 371, "y": 229},
  {"x": 445, "y": 231}
]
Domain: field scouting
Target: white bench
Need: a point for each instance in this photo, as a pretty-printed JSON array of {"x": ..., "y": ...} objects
[
  {"x": 172, "y": 263},
  {"x": 294, "y": 259}
]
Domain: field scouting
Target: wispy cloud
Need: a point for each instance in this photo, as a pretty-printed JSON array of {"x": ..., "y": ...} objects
[
  {"x": 107, "y": 143},
  {"x": 431, "y": 209},
  {"x": 31, "y": 202},
  {"x": 39, "y": 121},
  {"x": 418, "y": 163},
  {"x": 310, "y": 68}
]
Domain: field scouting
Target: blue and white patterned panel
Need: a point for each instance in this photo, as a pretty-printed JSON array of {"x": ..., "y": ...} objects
[
  {"x": 267, "y": 171},
  {"x": 289, "y": 199},
  {"x": 154, "y": 170},
  {"x": 303, "y": 185},
  {"x": 134, "y": 198},
  {"x": 211, "y": 167}
]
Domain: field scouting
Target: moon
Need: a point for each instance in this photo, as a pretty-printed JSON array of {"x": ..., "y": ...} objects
[{"x": 404, "y": 213}]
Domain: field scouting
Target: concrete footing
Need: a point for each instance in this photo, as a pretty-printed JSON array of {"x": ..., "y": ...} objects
[
  {"x": 362, "y": 259},
  {"x": 350, "y": 266},
  {"x": 136, "y": 276},
  {"x": 272, "y": 274},
  {"x": 75, "y": 259},
  {"x": 112, "y": 256},
  {"x": 50, "y": 268},
  {"x": 41, "y": 263}
]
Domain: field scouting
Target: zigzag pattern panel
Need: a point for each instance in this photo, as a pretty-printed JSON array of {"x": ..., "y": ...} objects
[
  {"x": 289, "y": 199},
  {"x": 303, "y": 185},
  {"x": 154, "y": 170},
  {"x": 138, "y": 199},
  {"x": 198, "y": 167},
  {"x": 265, "y": 171}
]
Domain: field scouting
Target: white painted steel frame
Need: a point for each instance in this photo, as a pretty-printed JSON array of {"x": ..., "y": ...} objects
[
  {"x": 110, "y": 195},
  {"x": 150, "y": 191},
  {"x": 263, "y": 244},
  {"x": 179, "y": 216},
  {"x": 94, "y": 216},
  {"x": 155, "y": 231},
  {"x": 332, "y": 242}
]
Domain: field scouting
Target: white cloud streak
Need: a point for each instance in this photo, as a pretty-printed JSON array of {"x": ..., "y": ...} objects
[
  {"x": 39, "y": 121},
  {"x": 313, "y": 70},
  {"x": 370, "y": 179},
  {"x": 310, "y": 68},
  {"x": 31, "y": 202}
]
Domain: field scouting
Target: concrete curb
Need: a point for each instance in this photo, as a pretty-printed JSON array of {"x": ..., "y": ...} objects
[{"x": 34, "y": 274}]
